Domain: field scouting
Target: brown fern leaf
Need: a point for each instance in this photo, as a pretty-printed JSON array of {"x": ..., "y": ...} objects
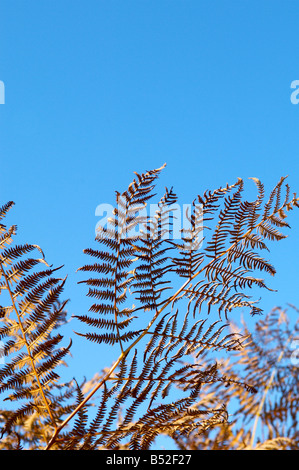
[
  {"x": 34, "y": 351},
  {"x": 116, "y": 261},
  {"x": 162, "y": 342}
]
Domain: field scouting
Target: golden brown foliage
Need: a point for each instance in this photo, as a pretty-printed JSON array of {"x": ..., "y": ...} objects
[{"x": 154, "y": 301}]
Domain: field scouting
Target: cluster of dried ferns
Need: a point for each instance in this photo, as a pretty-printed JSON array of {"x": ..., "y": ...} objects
[
  {"x": 269, "y": 418},
  {"x": 154, "y": 304}
]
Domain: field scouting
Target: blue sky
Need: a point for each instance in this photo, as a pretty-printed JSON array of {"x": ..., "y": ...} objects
[{"x": 96, "y": 90}]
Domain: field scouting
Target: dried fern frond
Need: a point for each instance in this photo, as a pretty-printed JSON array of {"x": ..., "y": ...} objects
[
  {"x": 155, "y": 293},
  {"x": 265, "y": 361},
  {"x": 279, "y": 443},
  {"x": 215, "y": 275},
  {"x": 32, "y": 349},
  {"x": 116, "y": 261}
]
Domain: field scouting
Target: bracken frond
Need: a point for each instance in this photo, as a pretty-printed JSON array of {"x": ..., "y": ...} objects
[{"x": 159, "y": 295}]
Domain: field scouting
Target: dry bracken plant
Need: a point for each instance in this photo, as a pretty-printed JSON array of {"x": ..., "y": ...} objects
[
  {"x": 269, "y": 418},
  {"x": 163, "y": 307}
]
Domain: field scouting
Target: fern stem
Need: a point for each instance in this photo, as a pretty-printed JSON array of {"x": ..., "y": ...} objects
[
  {"x": 86, "y": 399},
  {"x": 107, "y": 377},
  {"x": 115, "y": 306},
  {"x": 28, "y": 348}
]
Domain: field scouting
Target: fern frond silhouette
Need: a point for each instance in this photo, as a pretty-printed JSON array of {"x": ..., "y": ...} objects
[
  {"x": 29, "y": 322},
  {"x": 161, "y": 300},
  {"x": 267, "y": 419}
]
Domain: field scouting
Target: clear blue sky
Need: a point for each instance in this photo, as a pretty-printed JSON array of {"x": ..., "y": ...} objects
[{"x": 95, "y": 90}]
